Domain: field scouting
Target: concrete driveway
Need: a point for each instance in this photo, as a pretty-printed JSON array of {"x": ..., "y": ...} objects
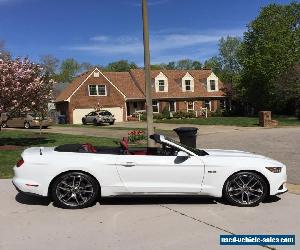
[{"x": 139, "y": 223}]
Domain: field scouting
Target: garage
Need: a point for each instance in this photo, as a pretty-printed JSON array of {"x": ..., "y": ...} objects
[{"x": 79, "y": 113}]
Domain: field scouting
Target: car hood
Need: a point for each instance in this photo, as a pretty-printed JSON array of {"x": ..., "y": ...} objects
[{"x": 233, "y": 153}]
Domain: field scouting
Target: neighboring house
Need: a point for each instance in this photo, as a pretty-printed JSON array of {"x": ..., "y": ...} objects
[{"x": 123, "y": 93}]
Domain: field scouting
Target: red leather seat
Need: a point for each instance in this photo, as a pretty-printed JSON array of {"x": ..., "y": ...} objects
[{"x": 89, "y": 148}]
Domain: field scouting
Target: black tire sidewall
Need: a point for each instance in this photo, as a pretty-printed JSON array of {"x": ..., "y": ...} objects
[
  {"x": 83, "y": 121},
  {"x": 227, "y": 197},
  {"x": 25, "y": 125},
  {"x": 89, "y": 203}
]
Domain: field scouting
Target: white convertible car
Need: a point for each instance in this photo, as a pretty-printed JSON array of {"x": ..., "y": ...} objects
[{"x": 75, "y": 175}]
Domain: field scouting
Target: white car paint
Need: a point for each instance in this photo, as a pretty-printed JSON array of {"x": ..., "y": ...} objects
[{"x": 146, "y": 174}]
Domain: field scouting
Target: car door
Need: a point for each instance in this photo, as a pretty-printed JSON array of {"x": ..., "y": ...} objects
[
  {"x": 90, "y": 117},
  {"x": 161, "y": 174},
  {"x": 15, "y": 121}
]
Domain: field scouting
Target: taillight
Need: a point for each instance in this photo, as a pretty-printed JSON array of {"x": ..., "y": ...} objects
[{"x": 20, "y": 163}]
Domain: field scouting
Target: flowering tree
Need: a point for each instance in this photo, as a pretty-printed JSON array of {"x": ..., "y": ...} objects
[{"x": 24, "y": 87}]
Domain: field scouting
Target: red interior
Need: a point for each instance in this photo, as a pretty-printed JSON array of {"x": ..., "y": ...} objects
[{"x": 89, "y": 148}]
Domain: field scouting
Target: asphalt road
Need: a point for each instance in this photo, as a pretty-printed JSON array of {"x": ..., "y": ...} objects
[{"x": 139, "y": 223}]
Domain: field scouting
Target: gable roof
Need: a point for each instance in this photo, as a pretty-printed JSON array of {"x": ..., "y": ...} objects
[
  {"x": 132, "y": 84},
  {"x": 72, "y": 86},
  {"x": 175, "y": 83}
]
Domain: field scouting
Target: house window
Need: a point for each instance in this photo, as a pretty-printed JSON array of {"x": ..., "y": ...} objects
[
  {"x": 172, "y": 106},
  {"x": 102, "y": 90},
  {"x": 212, "y": 84},
  {"x": 155, "y": 106},
  {"x": 161, "y": 85},
  {"x": 190, "y": 106},
  {"x": 207, "y": 104},
  {"x": 188, "y": 85},
  {"x": 93, "y": 90},
  {"x": 97, "y": 90}
]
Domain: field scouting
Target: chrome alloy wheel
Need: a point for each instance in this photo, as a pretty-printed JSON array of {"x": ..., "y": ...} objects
[
  {"x": 246, "y": 189},
  {"x": 74, "y": 190}
]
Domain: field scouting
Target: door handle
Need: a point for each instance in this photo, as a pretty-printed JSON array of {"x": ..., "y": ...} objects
[{"x": 128, "y": 164}]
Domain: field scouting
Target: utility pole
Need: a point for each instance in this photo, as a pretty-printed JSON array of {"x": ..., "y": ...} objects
[{"x": 148, "y": 87}]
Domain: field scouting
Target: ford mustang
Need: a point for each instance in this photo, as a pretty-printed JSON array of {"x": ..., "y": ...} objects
[{"x": 76, "y": 175}]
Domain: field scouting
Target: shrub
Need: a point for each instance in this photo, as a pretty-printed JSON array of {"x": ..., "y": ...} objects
[
  {"x": 183, "y": 115},
  {"x": 166, "y": 113},
  {"x": 158, "y": 116},
  {"x": 218, "y": 112},
  {"x": 136, "y": 135}
]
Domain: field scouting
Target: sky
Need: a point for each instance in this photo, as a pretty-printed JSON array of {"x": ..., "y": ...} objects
[{"x": 102, "y": 31}]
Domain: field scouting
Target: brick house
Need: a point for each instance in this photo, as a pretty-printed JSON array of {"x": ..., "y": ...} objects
[{"x": 123, "y": 93}]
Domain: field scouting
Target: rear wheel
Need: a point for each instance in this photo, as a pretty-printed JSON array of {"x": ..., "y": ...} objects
[
  {"x": 245, "y": 189},
  {"x": 4, "y": 125},
  {"x": 75, "y": 190},
  {"x": 26, "y": 125},
  {"x": 95, "y": 122}
]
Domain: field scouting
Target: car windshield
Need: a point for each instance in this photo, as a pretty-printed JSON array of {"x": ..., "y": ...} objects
[
  {"x": 196, "y": 151},
  {"x": 105, "y": 113}
]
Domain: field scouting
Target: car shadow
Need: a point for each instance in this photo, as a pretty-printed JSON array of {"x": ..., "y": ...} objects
[
  {"x": 272, "y": 199},
  {"x": 156, "y": 200},
  {"x": 32, "y": 199}
]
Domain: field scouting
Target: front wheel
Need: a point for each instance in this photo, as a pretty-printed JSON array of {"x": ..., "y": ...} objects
[
  {"x": 26, "y": 125},
  {"x": 75, "y": 190},
  {"x": 245, "y": 189},
  {"x": 112, "y": 123},
  {"x": 83, "y": 121}
]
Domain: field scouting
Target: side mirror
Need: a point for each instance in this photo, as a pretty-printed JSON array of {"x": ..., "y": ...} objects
[{"x": 183, "y": 154}]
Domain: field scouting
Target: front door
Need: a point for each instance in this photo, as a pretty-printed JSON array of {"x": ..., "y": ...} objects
[{"x": 161, "y": 174}]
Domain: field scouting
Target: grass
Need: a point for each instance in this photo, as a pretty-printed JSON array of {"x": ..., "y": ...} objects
[
  {"x": 99, "y": 127},
  {"x": 233, "y": 121},
  {"x": 22, "y": 140}
]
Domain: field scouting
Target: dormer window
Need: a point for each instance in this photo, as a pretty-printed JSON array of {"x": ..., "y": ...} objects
[
  {"x": 97, "y": 90},
  {"x": 187, "y": 83},
  {"x": 161, "y": 83},
  {"x": 212, "y": 83}
]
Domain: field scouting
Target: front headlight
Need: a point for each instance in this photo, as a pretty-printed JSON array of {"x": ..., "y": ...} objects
[{"x": 274, "y": 169}]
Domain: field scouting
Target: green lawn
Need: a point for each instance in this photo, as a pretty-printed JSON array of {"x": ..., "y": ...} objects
[
  {"x": 25, "y": 139},
  {"x": 99, "y": 127},
  {"x": 233, "y": 121}
]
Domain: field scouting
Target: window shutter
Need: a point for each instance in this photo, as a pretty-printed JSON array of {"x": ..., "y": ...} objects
[
  {"x": 192, "y": 85},
  {"x": 183, "y": 86}
]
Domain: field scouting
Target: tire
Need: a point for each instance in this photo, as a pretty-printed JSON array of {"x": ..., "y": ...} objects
[
  {"x": 26, "y": 125},
  {"x": 83, "y": 121},
  {"x": 75, "y": 190},
  {"x": 112, "y": 123},
  {"x": 245, "y": 189},
  {"x": 4, "y": 125},
  {"x": 95, "y": 122}
]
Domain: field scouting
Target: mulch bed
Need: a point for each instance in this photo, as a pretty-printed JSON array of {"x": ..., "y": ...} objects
[{"x": 10, "y": 147}]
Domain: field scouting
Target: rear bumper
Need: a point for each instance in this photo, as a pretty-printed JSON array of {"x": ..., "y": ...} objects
[{"x": 27, "y": 186}]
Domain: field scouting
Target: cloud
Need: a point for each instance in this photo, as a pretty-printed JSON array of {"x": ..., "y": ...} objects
[
  {"x": 158, "y": 42},
  {"x": 165, "y": 45},
  {"x": 98, "y": 38}
]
